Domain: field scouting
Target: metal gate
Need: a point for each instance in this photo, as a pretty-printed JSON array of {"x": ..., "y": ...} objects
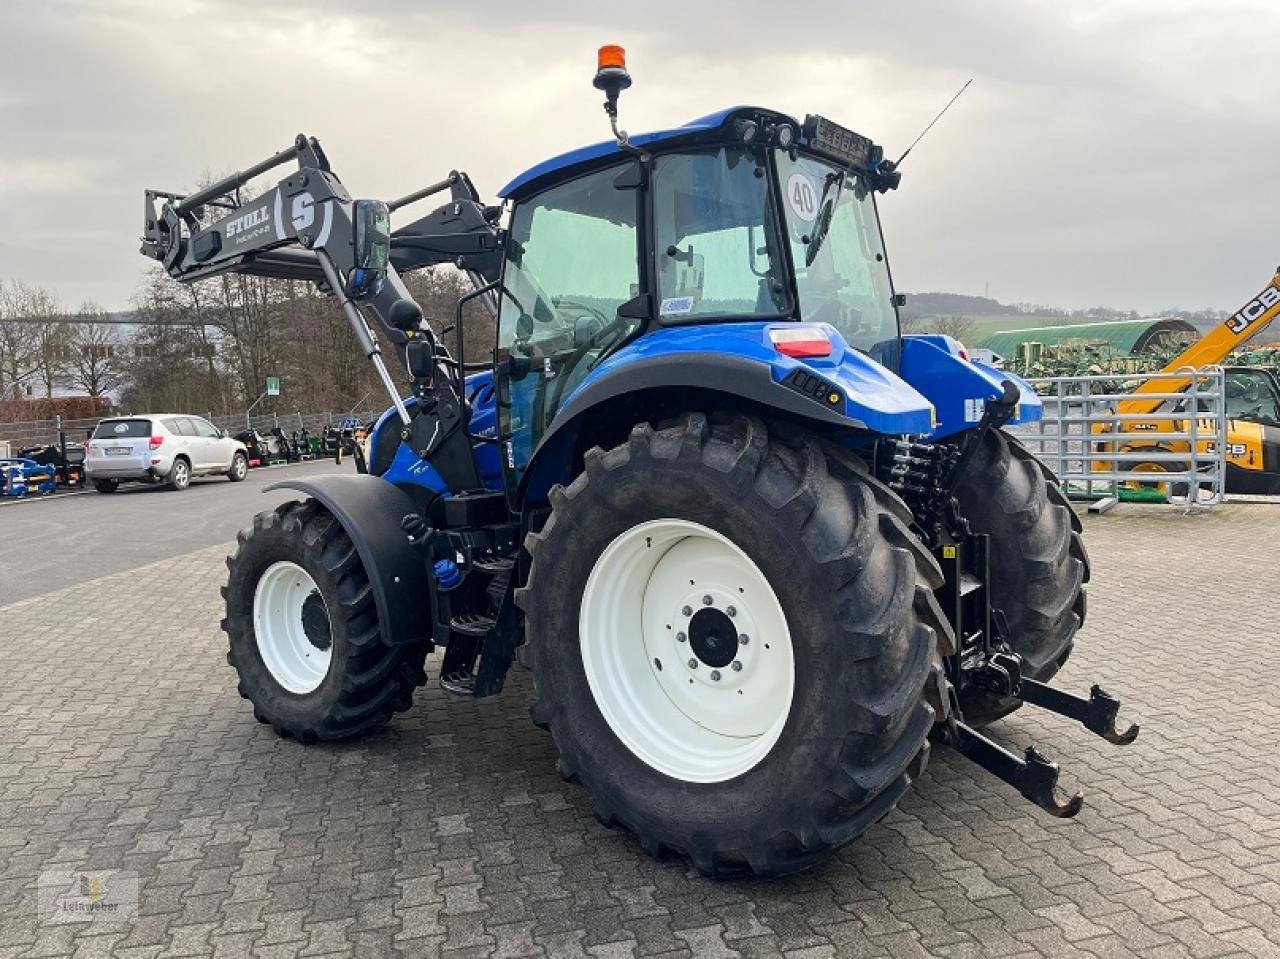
[{"x": 1176, "y": 454}]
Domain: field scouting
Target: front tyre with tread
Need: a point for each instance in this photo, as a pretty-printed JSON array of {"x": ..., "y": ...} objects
[
  {"x": 855, "y": 587},
  {"x": 367, "y": 681}
]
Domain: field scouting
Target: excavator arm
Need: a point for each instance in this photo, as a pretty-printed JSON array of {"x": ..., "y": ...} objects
[{"x": 1211, "y": 349}]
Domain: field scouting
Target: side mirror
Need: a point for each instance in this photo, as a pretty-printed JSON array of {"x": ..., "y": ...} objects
[{"x": 371, "y": 242}]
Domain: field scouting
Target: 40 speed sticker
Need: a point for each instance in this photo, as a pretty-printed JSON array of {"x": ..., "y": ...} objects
[{"x": 802, "y": 197}]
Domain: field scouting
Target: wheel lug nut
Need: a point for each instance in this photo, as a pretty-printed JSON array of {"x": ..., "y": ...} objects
[
  {"x": 715, "y": 675},
  {"x": 693, "y": 664},
  {"x": 731, "y": 610},
  {"x": 706, "y": 600},
  {"x": 681, "y": 637},
  {"x": 737, "y": 666},
  {"x": 744, "y": 639},
  {"x": 686, "y": 611}
]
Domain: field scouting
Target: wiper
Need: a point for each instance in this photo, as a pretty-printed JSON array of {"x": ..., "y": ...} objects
[{"x": 826, "y": 209}]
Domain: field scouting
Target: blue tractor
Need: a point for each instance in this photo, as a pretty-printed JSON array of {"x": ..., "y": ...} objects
[{"x": 759, "y": 549}]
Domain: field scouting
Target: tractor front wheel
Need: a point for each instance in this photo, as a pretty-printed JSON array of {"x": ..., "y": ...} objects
[
  {"x": 735, "y": 642},
  {"x": 305, "y": 637},
  {"x": 1037, "y": 561}
]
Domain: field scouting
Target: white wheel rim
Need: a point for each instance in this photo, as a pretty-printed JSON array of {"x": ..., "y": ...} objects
[
  {"x": 241, "y": 466},
  {"x": 698, "y": 716},
  {"x": 292, "y": 659}
]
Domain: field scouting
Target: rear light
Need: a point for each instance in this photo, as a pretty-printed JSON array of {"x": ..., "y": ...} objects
[
  {"x": 800, "y": 341},
  {"x": 156, "y": 441},
  {"x": 964, "y": 353}
]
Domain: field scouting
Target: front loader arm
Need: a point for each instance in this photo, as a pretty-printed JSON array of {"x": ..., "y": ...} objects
[
  {"x": 304, "y": 228},
  {"x": 1211, "y": 349}
]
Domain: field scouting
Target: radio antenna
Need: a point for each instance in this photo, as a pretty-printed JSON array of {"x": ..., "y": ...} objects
[{"x": 931, "y": 123}]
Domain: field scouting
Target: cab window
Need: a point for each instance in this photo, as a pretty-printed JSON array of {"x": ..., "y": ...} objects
[
  {"x": 715, "y": 238},
  {"x": 1251, "y": 395},
  {"x": 572, "y": 260}
]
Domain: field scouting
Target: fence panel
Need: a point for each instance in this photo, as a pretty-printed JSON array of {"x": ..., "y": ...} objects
[
  {"x": 45, "y": 432},
  {"x": 1177, "y": 452}
]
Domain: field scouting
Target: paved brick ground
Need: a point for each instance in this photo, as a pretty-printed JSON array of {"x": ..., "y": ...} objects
[{"x": 125, "y": 746}]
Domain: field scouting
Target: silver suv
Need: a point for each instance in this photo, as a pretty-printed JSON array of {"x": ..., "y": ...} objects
[{"x": 165, "y": 448}]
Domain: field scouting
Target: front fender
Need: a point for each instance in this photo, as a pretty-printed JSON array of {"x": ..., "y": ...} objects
[{"x": 370, "y": 510}]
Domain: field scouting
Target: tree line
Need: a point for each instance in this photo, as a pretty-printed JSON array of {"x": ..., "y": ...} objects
[{"x": 209, "y": 347}]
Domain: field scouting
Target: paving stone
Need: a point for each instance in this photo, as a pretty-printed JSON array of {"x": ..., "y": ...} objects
[{"x": 450, "y": 834}]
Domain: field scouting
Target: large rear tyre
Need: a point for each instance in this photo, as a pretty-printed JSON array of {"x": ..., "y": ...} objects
[
  {"x": 304, "y": 632},
  {"x": 735, "y": 642},
  {"x": 1037, "y": 558}
]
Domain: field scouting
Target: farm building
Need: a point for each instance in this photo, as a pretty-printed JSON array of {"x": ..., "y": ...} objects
[{"x": 1119, "y": 338}]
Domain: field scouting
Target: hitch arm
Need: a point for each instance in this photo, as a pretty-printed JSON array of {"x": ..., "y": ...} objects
[
  {"x": 1003, "y": 675},
  {"x": 1097, "y": 713},
  {"x": 1034, "y": 776}
]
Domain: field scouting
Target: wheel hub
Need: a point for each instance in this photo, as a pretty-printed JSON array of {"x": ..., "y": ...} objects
[
  {"x": 712, "y": 637},
  {"x": 315, "y": 621}
]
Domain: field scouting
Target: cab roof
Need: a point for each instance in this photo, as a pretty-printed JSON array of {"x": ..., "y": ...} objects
[{"x": 565, "y": 165}]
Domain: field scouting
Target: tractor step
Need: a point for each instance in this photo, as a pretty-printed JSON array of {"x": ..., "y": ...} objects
[
  {"x": 472, "y": 624},
  {"x": 493, "y": 564},
  {"x": 460, "y": 684},
  {"x": 1033, "y": 775}
]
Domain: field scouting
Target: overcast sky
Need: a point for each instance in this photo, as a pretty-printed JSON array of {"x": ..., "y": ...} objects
[{"x": 1122, "y": 152}]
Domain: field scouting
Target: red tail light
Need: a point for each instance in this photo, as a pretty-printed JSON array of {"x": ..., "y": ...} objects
[
  {"x": 800, "y": 341},
  {"x": 156, "y": 441}
]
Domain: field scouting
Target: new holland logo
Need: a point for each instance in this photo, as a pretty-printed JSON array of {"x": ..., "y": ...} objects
[{"x": 1254, "y": 309}]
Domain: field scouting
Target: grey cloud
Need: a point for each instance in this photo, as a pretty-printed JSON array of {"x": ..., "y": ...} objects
[{"x": 1118, "y": 152}]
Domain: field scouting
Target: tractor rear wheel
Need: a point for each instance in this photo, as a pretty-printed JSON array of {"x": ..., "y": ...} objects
[
  {"x": 1037, "y": 560},
  {"x": 305, "y": 637},
  {"x": 735, "y": 642}
]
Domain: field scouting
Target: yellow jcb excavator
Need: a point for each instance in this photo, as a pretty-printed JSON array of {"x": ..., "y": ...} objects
[{"x": 1252, "y": 403}]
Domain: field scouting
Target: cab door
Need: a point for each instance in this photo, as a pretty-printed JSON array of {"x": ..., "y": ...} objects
[{"x": 572, "y": 262}]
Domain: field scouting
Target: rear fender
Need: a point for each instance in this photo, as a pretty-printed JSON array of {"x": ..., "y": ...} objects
[
  {"x": 730, "y": 366},
  {"x": 370, "y": 511}
]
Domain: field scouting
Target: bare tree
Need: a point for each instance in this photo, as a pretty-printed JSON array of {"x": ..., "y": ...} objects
[
  {"x": 39, "y": 352},
  {"x": 962, "y": 328},
  {"x": 18, "y": 350},
  {"x": 96, "y": 347},
  {"x": 437, "y": 290}
]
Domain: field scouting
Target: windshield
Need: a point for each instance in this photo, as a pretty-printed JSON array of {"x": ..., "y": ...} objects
[
  {"x": 715, "y": 236},
  {"x": 841, "y": 274}
]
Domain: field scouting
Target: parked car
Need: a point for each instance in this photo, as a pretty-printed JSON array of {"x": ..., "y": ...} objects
[{"x": 166, "y": 448}]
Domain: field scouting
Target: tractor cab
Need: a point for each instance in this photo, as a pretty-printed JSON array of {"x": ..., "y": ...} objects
[{"x": 742, "y": 217}]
